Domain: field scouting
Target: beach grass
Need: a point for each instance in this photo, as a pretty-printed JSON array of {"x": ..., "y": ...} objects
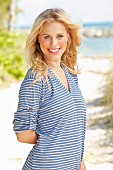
[{"x": 108, "y": 88}]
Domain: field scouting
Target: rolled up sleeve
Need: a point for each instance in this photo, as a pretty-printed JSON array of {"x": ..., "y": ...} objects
[{"x": 26, "y": 116}]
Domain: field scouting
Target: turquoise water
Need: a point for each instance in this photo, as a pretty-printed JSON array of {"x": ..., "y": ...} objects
[
  {"x": 102, "y": 25},
  {"x": 97, "y": 47}
]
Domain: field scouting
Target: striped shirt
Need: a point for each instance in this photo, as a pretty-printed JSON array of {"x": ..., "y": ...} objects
[{"x": 58, "y": 116}]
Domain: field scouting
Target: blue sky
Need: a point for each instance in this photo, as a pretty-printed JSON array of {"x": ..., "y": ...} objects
[{"x": 84, "y": 10}]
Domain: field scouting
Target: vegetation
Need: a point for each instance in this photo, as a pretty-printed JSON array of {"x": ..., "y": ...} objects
[
  {"x": 108, "y": 94},
  {"x": 12, "y": 58},
  {"x": 12, "y": 65},
  {"x": 4, "y": 13},
  {"x": 108, "y": 88},
  {"x": 8, "y": 14}
]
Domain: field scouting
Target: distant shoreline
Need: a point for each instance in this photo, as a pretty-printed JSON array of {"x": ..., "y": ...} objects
[{"x": 89, "y": 30}]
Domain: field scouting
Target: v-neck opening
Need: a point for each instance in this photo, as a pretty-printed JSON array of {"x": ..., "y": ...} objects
[{"x": 65, "y": 72}]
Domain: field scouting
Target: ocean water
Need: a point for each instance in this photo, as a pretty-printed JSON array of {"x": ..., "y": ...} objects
[
  {"x": 102, "y": 25},
  {"x": 101, "y": 46}
]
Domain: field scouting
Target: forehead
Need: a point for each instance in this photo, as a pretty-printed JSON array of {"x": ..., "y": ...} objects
[{"x": 53, "y": 27}]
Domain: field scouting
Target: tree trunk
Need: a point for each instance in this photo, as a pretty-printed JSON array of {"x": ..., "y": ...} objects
[{"x": 12, "y": 15}]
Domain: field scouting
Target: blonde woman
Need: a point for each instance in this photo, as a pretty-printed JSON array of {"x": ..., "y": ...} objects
[{"x": 51, "y": 110}]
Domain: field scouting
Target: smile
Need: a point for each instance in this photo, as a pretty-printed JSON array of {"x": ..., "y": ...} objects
[{"x": 54, "y": 50}]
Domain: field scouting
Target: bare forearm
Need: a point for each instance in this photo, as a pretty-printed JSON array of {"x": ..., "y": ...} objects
[
  {"x": 28, "y": 136},
  {"x": 82, "y": 166}
]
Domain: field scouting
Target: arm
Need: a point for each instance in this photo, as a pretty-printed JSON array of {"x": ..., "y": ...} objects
[
  {"x": 26, "y": 118},
  {"x": 28, "y": 136},
  {"x": 82, "y": 165}
]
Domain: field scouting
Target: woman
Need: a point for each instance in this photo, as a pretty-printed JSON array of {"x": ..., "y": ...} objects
[{"x": 51, "y": 110}]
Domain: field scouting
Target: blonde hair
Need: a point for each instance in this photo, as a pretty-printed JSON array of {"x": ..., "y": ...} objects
[{"x": 34, "y": 53}]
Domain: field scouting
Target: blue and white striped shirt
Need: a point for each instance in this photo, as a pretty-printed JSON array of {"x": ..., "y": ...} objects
[{"x": 58, "y": 116}]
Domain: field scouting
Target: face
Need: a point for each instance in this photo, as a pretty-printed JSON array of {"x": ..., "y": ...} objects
[{"x": 53, "y": 41}]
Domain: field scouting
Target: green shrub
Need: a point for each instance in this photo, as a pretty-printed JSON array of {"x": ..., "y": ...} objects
[{"x": 12, "y": 58}]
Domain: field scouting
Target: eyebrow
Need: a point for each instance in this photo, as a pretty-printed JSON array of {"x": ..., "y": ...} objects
[{"x": 49, "y": 34}]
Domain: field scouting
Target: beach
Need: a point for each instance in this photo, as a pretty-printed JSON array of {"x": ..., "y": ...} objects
[{"x": 91, "y": 81}]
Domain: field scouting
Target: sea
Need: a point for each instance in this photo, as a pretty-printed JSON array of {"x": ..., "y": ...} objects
[{"x": 97, "y": 46}]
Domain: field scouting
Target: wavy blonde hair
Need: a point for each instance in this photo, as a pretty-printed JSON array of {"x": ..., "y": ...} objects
[{"x": 34, "y": 53}]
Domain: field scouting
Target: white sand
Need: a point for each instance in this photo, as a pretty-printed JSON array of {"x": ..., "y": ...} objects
[{"x": 13, "y": 153}]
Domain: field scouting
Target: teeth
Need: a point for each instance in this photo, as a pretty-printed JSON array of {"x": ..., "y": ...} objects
[{"x": 54, "y": 50}]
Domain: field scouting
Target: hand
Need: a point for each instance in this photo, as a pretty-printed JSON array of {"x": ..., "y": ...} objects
[{"x": 82, "y": 165}]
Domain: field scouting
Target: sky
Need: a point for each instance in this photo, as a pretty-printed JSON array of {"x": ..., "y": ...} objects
[{"x": 85, "y": 11}]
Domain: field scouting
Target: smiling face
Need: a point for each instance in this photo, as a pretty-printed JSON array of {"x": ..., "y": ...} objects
[{"x": 53, "y": 41}]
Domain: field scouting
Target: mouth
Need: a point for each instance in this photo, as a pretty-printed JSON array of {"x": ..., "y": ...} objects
[{"x": 54, "y": 51}]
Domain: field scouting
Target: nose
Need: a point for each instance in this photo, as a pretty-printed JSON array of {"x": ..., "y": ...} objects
[{"x": 53, "y": 41}]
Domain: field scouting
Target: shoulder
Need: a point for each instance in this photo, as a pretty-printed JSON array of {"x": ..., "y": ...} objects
[
  {"x": 75, "y": 78},
  {"x": 30, "y": 74},
  {"x": 72, "y": 75},
  {"x": 29, "y": 82},
  {"x": 30, "y": 90}
]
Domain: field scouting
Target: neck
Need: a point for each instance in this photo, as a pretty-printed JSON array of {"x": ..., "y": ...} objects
[{"x": 54, "y": 66}]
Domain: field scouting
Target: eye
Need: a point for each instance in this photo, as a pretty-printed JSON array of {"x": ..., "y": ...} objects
[
  {"x": 47, "y": 37},
  {"x": 59, "y": 36}
]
